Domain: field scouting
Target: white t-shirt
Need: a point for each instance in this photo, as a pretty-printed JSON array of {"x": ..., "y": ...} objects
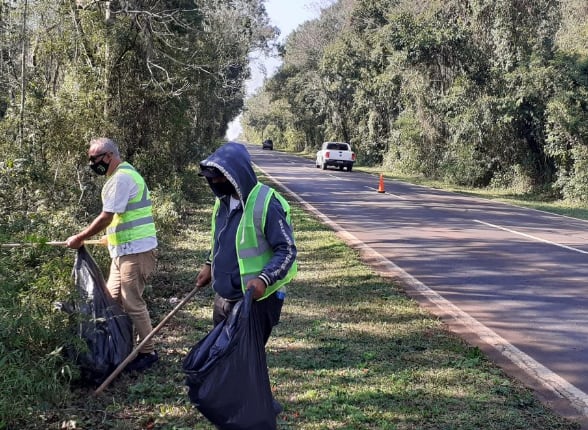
[
  {"x": 234, "y": 203},
  {"x": 116, "y": 193}
]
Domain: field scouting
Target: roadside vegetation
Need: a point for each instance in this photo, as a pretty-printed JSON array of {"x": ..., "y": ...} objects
[
  {"x": 352, "y": 351},
  {"x": 478, "y": 93},
  {"x": 437, "y": 95},
  {"x": 163, "y": 79}
]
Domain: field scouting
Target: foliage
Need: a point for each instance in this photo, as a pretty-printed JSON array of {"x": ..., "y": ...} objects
[
  {"x": 462, "y": 91},
  {"x": 163, "y": 79},
  {"x": 567, "y": 128},
  {"x": 300, "y": 93},
  {"x": 404, "y": 154},
  {"x": 32, "y": 332},
  {"x": 478, "y": 93}
]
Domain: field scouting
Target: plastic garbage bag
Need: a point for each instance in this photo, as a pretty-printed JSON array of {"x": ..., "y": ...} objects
[
  {"x": 106, "y": 329},
  {"x": 227, "y": 374}
]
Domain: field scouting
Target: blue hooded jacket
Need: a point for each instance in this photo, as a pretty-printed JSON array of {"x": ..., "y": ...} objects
[{"x": 233, "y": 160}]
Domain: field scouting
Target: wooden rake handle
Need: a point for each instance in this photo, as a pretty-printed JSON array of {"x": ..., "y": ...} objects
[
  {"x": 135, "y": 351},
  {"x": 51, "y": 243}
]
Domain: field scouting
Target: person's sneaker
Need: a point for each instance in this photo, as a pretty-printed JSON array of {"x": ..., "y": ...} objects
[{"x": 142, "y": 361}]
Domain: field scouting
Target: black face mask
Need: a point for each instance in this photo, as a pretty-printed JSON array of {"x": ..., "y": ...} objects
[
  {"x": 223, "y": 188},
  {"x": 100, "y": 167}
]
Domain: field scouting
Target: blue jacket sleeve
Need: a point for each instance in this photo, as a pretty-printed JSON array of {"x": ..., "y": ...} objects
[{"x": 280, "y": 236}]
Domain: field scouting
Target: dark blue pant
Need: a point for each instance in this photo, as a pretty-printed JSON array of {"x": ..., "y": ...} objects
[{"x": 267, "y": 310}]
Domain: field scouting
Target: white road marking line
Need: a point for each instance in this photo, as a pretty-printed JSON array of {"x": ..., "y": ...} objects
[
  {"x": 390, "y": 194},
  {"x": 532, "y": 237},
  {"x": 535, "y": 370},
  {"x": 541, "y": 374}
]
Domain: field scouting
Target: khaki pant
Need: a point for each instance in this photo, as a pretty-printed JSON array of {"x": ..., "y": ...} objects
[{"x": 126, "y": 283}]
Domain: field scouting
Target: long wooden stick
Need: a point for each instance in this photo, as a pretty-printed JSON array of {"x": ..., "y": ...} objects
[
  {"x": 135, "y": 351},
  {"x": 52, "y": 243}
]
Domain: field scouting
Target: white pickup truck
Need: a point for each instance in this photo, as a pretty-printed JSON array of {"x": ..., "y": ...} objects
[{"x": 338, "y": 154}]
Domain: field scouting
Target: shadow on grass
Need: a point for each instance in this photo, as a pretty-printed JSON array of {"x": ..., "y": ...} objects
[
  {"x": 354, "y": 361},
  {"x": 352, "y": 351}
]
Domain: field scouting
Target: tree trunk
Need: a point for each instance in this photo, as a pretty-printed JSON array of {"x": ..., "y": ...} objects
[{"x": 23, "y": 79}]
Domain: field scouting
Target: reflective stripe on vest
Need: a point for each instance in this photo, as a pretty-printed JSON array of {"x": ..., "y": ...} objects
[
  {"x": 253, "y": 250},
  {"x": 136, "y": 222}
]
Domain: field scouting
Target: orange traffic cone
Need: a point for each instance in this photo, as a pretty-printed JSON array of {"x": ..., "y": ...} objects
[{"x": 381, "y": 186}]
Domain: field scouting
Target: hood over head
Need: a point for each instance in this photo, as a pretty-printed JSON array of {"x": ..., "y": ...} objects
[
  {"x": 210, "y": 172},
  {"x": 234, "y": 162}
]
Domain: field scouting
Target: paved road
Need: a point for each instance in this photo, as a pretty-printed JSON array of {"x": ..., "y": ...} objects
[{"x": 514, "y": 279}]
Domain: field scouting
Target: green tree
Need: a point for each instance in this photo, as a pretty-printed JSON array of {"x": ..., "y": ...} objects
[{"x": 163, "y": 78}]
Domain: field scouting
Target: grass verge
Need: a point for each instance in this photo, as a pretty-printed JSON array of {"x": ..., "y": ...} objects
[{"x": 352, "y": 351}]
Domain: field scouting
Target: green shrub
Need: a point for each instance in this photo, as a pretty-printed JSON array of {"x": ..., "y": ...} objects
[
  {"x": 409, "y": 150},
  {"x": 515, "y": 179},
  {"x": 32, "y": 332},
  {"x": 166, "y": 210},
  {"x": 575, "y": 188}
]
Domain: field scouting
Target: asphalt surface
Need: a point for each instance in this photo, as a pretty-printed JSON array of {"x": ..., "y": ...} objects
[{"x": 508, "y": 279}]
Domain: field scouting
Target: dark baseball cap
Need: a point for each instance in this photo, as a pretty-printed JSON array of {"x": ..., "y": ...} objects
[{"x": 209, "y": 172}]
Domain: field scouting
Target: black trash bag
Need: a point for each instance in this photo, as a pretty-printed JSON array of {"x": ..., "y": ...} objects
[
  {"x": 227, "y": 374},
  {"x": 106, "y": 329}
]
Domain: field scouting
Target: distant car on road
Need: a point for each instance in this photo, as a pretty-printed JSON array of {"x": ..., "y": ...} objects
[
  {"x": 267, "y": 144},
  {"x": 338, "y": 154}
]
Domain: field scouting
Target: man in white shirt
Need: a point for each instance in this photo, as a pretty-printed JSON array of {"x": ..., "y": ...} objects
[{"x": 128, "y": 219}]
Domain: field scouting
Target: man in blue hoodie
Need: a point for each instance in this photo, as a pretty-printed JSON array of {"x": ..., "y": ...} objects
[{"x": 252, "y": 242}]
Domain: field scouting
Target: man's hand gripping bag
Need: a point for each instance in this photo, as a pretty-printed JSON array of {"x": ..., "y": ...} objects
[{"x": 227, "y": 374}]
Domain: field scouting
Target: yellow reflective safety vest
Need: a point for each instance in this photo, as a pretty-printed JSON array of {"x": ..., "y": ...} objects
[
  {"x": 253, "y": 250},
  {"x": 136, "y": 222}
]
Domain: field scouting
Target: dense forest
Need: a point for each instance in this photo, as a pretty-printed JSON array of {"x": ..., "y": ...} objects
[
  {"x": 477, "y": 92},
  {"x": 162, "y": 78}
]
